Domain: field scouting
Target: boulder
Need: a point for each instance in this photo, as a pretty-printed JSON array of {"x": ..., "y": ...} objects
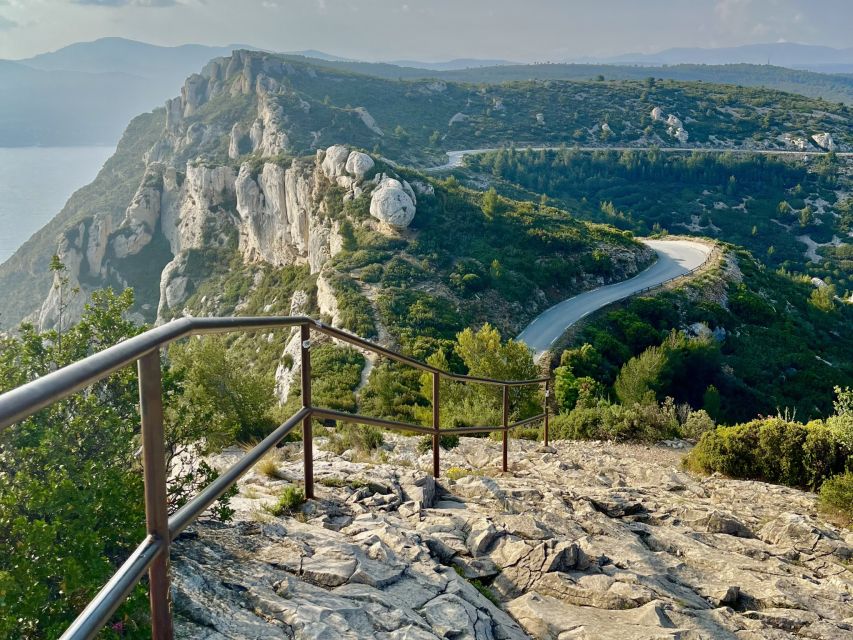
[
  {"x": 824, "y": 141},
  {"x": 335, "y": 160},
  {"x": 393, "y": 203},
  {"x": 358, "y": 164}
]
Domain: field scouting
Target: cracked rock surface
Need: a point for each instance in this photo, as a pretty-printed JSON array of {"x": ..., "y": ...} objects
[{"x": 578, "y": 540}]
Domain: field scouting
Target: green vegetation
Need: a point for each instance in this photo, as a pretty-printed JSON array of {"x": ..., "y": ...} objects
[
  {"x": 70, "y": 479},
  {"x": 363, "y": 439},
  {"x": 830, "y": 87},
  {"x": 228, "y": 400},
  {"x": 836, "y": 498},
  {"x": 748, "y": 359},
  {"x": 759, "y": 202},
  {"x": 289, "y": 501},
  {"x": 815, "y": 455}
]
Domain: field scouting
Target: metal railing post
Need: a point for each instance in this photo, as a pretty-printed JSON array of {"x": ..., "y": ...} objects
[
  {"x": 545, "y": 408},
  {"x": 307, "y": 433},
  {"x": 505, "y": 426},
  {"x": 436, "y": 439},
  {"x": 154, "y": 469}
]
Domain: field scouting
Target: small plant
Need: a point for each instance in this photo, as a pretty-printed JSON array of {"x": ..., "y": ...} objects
[
  {"x": 268, "y": 466},
  {"x": 697, "y": 423},
  {"x": 836, "y": 498},
  {"x": 290, "y": 500},
  {"x": 456, "y": 473}
]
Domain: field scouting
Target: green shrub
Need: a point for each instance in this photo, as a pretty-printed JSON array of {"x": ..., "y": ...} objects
[
  {"x": 608, "y": 421},
  {"x": 527, "y": 433},
  {"x": 780, "y": 451},
  {"x": 771, "y": 449},
  {"x": 290, "y": 499},
  {"x": 696, "y": 424},
  {"x": 836, "y": 497}
]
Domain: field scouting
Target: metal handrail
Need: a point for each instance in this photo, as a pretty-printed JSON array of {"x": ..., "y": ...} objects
[{"x": 152, "y": 555}]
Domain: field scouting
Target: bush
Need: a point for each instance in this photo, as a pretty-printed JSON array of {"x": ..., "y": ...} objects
[
  {"x": 696, "y": 424},
  {"x": 608, "y": 421},
  {"x": 290, "y": 499},
  {"x": 771, "y": 449},
  {"x": 836, "y": 497}
]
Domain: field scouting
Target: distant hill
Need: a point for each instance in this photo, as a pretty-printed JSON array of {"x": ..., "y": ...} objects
[
  {"x": 452, "y": 65},
  {"x": 103, "y": 84},
  {"x": 782, "y": 54},
  {"x": 93, "y": 107},
  {"x": 106, "y": 82}
]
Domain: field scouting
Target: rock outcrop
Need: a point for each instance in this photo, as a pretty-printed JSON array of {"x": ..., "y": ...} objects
[
  {"x": 579, "y": 540},
  {"x": 393, "y": 202},
  {"x": 274, "y": 213},
  {"x": 824, "y": 141}
]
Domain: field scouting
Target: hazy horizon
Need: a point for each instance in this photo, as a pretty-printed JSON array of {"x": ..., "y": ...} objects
[{"x": 533, "y": 31}]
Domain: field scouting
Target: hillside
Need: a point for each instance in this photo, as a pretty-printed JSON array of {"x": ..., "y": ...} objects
[
  {"x": 793, "y": 213},
  {"x": 231, "y": 196},
  {"x": 829, "y": 85},
  {"x": 240, "y": 198},
  {"x": 257, "y": 105}
]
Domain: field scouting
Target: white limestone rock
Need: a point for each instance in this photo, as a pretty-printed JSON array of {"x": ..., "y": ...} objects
[
  {"x": 358, "y": 164},
  {"x": 368, "y": 120},
  {"x": 393, "y": 203},
  {"x": 335, "y": 161},
  {"x": 457, "y": 119},
  {"x": 236, "y": 141},
  {"x": 657, "y": 113},
  {"x": 824, "y": 141},
  {"x": 326, "y": 299}
]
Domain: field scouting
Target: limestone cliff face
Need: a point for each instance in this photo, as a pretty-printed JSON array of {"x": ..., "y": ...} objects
[{"x": 271, "y": 214}]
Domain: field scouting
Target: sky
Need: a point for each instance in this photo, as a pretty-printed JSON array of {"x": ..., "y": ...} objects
[{"x": 520, "y": 30}]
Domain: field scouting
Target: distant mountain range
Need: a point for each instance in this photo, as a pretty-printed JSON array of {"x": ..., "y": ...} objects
[
  {"x": 104, "y": 83},
  {"x": 782, "y": 54}
]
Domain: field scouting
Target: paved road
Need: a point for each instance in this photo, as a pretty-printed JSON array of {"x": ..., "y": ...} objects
[
  {"x": 675, "y": 258},
  {"x": 455, "y": 158}
]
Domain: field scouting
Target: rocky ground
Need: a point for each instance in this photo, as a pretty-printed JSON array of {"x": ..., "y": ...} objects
[{"x": 582, "y": 540}]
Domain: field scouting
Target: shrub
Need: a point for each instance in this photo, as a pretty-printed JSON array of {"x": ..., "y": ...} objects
[
  {"x": 527, "y": 433},
  {"x": 608, "y": 421},
  {"x": 696, "y": 424},
  {"x": 836, "y": 497},
  {"x": 771, "y": 449},
  {"x": 290, "y": 499},
  {"x": 780, "y": 451}
]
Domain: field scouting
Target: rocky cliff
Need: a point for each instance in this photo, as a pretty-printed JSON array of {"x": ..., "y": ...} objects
[
  {"x": 579, "y": 540},
  {"x": 269, "y": 212}
]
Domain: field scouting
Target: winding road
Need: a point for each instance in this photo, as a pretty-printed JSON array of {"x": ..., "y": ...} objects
[{"x": 675, "y": 258}]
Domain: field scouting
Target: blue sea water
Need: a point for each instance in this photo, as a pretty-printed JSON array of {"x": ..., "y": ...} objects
[{"x": 35, "y": 182}]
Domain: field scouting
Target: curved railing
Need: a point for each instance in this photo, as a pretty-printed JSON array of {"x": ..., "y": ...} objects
[{"x": 152, "y": 555}]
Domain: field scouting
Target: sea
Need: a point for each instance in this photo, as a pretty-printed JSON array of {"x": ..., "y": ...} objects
[{"x": 35, "y": 183}]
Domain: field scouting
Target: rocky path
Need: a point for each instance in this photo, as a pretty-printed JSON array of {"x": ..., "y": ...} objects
[{"x": 582, "y": 540}]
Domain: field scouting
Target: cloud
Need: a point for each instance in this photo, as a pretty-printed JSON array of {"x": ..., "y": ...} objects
[
  {"x": 6, "y": 24},
  {"x": 126, "y": 3}
]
